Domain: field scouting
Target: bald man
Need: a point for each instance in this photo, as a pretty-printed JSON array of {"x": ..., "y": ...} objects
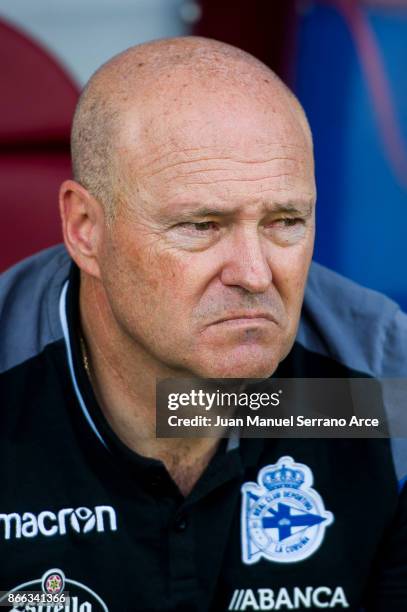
[{"x": 189, "y": 229}]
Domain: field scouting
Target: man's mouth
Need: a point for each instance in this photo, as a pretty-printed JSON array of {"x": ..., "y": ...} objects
[{"x": 246, "y": 318}]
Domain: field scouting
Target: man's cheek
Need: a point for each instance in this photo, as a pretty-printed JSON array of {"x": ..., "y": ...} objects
[
  {"x": 181, "y": 273},
  {"x": 292, "y": 274}
]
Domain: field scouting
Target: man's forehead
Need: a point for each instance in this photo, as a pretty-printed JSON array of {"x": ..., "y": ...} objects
[
  {"x": 253, "y": 161},
  {"x": 198, "y": 183},
  {"x": 170, "y": 131},
  {"x": 217, "y": 153}
]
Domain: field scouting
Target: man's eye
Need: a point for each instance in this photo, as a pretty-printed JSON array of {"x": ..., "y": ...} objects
[
  {"x": 203, "y": 226},
  {"x": 291, "y": 221},
  {"x": 288, "y": 222}
]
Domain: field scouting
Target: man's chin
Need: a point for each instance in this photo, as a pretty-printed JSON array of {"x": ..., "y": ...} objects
[{"x": 240, "y": 364}]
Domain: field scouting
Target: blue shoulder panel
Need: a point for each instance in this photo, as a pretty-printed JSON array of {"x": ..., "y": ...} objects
[
  {"x": 29, "y": 294},
  {"x": 365, "y": 331},
  {"x": 358, "y": 327}
]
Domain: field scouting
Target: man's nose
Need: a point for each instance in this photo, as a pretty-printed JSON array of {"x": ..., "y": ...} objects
[{"x": 246, "y": 263}]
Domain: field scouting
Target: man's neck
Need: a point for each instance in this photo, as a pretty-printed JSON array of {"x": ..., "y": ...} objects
[{"x": 124, "y": 382}]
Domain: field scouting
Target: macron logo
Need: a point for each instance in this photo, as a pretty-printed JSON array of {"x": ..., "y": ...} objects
[{"x": 49, "y": 524}]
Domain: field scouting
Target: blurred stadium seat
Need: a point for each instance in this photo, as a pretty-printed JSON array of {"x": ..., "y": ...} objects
[{"x": 36, "y": 107}]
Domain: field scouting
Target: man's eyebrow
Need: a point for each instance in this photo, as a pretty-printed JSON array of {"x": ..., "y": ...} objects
[{"x": 302, "y": 209}]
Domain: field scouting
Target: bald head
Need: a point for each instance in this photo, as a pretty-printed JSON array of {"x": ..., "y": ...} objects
[{"x": 165, "y": 78}]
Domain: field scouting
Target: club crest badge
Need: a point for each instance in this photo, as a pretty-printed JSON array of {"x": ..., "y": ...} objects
[{"x": 283, "y": 518}]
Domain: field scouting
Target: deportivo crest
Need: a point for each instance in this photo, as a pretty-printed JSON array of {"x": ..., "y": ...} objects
[{"x": 283, "y": 518}]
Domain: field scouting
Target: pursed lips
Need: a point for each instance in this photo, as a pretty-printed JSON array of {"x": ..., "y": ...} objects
[{"x": 246, "y": 317}]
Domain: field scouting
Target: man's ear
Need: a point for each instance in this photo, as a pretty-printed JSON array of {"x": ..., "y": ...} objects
[{"x": 82, "y": 225}]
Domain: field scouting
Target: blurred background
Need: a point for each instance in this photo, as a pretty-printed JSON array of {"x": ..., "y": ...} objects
[{"x": 345, "y": 59}]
